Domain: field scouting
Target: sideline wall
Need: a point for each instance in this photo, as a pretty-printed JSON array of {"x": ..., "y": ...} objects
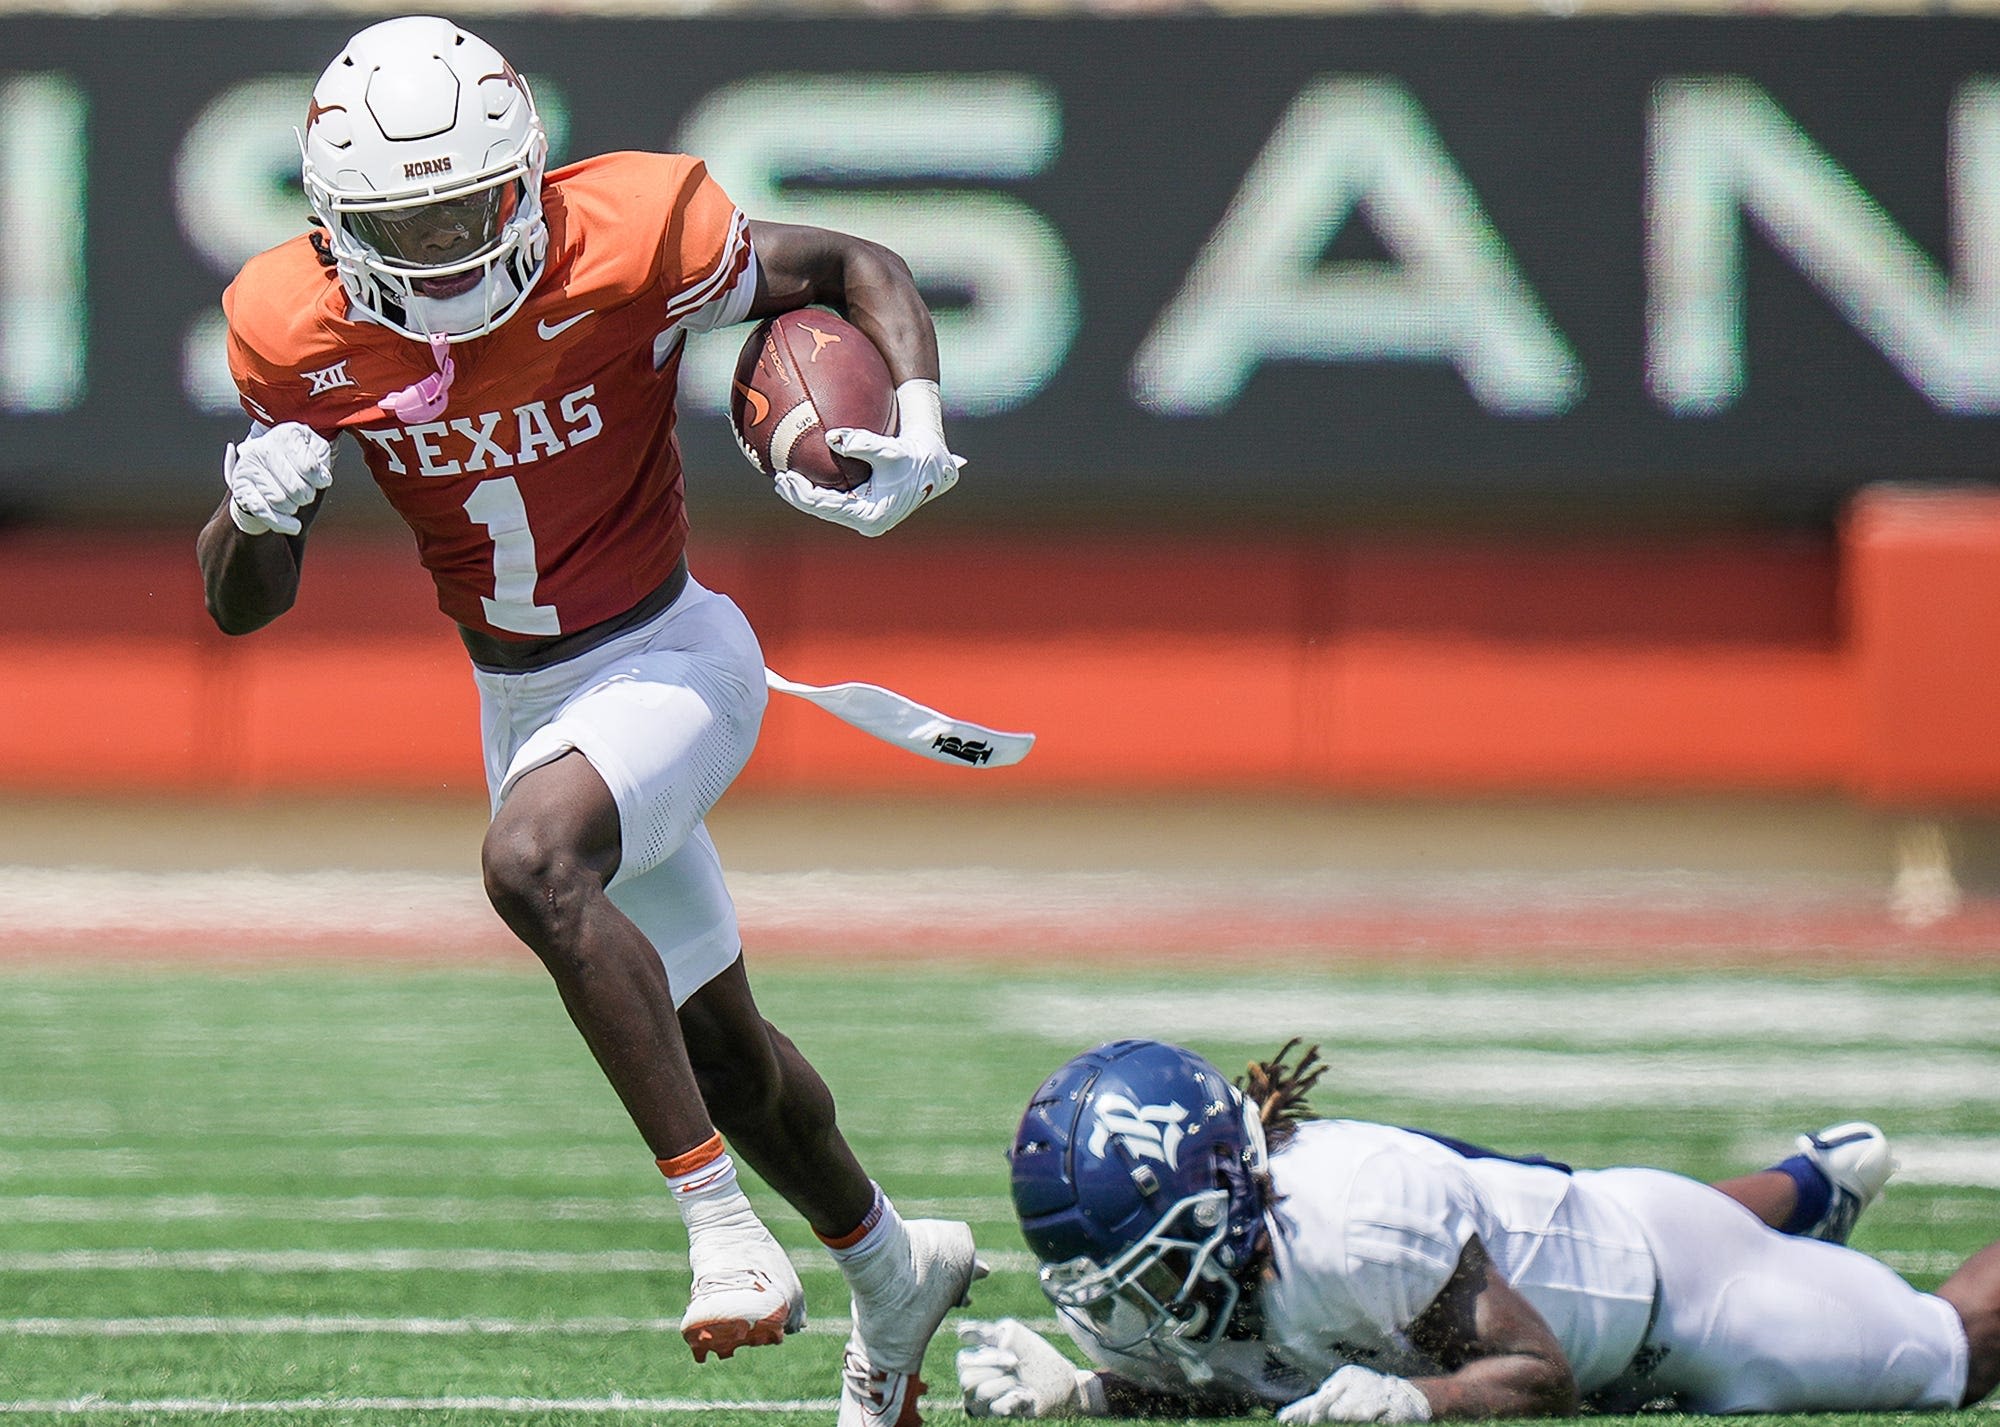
[{"x": 1316, "y": 664}]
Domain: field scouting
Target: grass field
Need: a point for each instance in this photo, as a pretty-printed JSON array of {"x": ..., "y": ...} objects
[{"x": 375, "y": 1196}]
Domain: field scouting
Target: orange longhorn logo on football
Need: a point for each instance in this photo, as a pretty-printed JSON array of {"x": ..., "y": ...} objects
[
  {"x": 820, "y": 339},
  {"x": 492, "y": 440}
]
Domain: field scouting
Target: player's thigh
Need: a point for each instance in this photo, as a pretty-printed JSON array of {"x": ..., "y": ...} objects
[
  {"x": 1752, "y": 1320},
  {"x": 667, "y": 718},
  {"x": 559, "y": 811}
]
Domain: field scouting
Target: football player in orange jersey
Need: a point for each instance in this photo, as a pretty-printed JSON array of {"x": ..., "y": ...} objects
[{"x": 503, "y": 345}]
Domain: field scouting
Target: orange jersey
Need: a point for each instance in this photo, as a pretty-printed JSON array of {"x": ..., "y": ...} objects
[{"x": 547, "y": 496}]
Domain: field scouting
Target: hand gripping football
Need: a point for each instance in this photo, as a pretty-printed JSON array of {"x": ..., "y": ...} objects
[{"x": 801, "y": 374}]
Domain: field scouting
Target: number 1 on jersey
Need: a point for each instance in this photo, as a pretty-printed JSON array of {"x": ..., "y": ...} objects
[{"x": 497, "y": 505}]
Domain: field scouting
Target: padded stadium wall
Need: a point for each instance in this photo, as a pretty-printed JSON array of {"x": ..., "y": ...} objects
[{"x": 1415, "y": 664}]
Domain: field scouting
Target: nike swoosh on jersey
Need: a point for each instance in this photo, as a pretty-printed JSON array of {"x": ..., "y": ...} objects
[{"x": 549, "y": 329}]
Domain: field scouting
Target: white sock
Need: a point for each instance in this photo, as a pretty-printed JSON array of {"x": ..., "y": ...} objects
[
  {"x": 878, "y": 1263},
  {"x": 706, "y": 1191},
  {"x": 876, "y": 1228}
]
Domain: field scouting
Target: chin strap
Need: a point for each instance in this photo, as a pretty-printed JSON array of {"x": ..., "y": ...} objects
[{"x": 425, "y": 401}]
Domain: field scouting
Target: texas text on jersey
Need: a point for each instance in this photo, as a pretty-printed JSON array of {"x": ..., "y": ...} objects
[{"x": 547, "y": 495}]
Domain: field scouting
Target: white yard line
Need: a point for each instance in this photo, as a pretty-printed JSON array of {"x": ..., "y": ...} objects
[
  {"x": 334, "y": 1325},
  {"x": 206, "y": 1406},
  {"x": 402, "y": 1261},
  {"x": 1702, "y": 1010},
  {"x": 1946, "y": 1159},
  {"x": 1685, "y": 1081},
  {"x": 412, "y": 1208},
  {"x": 322, "y": 1326},
  {"x": 329, "y": 1162}
]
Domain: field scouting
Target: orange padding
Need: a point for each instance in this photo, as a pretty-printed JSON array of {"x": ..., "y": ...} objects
[
  {"x": 1924, "y": 584},
  {"x": 1288, "y": 663}
]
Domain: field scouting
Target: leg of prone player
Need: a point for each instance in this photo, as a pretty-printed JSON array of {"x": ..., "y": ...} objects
[{"x": 1819, "y": 1192}]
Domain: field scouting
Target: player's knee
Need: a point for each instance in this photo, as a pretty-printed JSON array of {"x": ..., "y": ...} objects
[{"x": 536, "y": 883}]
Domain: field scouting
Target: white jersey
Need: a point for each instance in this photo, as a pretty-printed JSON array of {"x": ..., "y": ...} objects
[
  {"x": 1367, "y": 1224},
  {"x": 1655, "y": 1285}
]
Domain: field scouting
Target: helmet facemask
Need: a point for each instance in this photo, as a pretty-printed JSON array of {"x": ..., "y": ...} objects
[{"x": 1165, "y": 1296}]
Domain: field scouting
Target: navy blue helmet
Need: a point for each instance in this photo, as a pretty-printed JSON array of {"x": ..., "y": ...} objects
[{"x": 1137, "y": 1178}]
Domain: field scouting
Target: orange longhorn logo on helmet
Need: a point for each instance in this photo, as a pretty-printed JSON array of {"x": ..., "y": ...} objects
[
  {"x": 315, "y": 109},
  {"x": 506, "y": 72}
]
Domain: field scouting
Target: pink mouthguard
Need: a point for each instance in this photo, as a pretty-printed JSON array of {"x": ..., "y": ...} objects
[{"x": 425, "y": 401}]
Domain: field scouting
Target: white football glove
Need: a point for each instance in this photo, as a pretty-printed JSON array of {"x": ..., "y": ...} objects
[
  {"x": 1007, "y": 1369},
  {"x": 1358, "y": 1394},
  {"x": 905, "y": 470},
  {"x": 275, "y": 474}
]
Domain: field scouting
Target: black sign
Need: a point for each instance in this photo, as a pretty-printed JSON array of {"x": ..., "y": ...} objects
[{"x": 1174, "y": 260}]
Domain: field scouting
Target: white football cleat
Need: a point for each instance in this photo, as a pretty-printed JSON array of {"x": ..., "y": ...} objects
[
  {"x": 1856, "y": 1161},
  {"x": 903, "y": 1290},
  {"x": 746, "y": 1293},
  {"x": 876, "y": 1399},
  {"x": 901, "y": 1293}
]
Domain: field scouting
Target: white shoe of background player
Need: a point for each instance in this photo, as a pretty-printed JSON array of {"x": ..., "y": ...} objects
[
  {"x": 1856, "y": 1161},
  {"x": 746, "y": 1293},
  {"x": 924, "y": 1269}
]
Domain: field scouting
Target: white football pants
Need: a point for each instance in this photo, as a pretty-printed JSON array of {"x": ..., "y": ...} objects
[
  {"x": 1751, "y": 1320},
  {"x": 667, "y": 713}
]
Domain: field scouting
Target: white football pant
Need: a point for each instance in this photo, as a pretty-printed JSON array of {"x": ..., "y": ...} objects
[{"x": 667, "y": 713}]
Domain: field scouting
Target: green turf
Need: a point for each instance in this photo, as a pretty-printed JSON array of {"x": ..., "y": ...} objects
[{"x": 288, "y": 1134}]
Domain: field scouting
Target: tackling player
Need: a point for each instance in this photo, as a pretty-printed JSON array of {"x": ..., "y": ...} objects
[
  {"x": 503, "y": 345},
  {"x": 1215, "y": 1250}
]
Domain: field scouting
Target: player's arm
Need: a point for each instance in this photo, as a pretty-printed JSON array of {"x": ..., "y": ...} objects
[
  {"x": 872, "y": 287},
  {"x": 1503, "y": 1357},
  {"x": 252, "y": 547},
  {"x": 1124, "y": 1398},
  {"x": 1501, "y": 1360},
  {"x": 865, "y": 282}
]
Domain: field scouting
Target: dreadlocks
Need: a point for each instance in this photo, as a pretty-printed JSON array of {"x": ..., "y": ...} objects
[{"x": 1279, "y": 1090}]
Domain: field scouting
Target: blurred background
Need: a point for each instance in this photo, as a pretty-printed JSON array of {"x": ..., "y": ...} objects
[{"x": 1565, "y": 430}]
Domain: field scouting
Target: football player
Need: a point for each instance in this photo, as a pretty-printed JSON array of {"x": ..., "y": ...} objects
[
  {"x": 502, "y": 343},
  {"x": 1214, "y": 1249}
]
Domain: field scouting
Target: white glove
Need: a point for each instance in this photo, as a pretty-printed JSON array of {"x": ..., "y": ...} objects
[
  {"x": 905, "y": 470},
  {"x": 275, "y": 474},
  {"x": 1007, "y": 1369},
  {"x": 1358, "y": 1394}
]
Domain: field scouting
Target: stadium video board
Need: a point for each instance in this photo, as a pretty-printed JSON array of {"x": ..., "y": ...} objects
[{"x": 1293, "y": 258}]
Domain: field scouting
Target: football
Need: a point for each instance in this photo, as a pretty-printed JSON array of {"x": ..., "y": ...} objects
[{"x": 801, "y": 374}]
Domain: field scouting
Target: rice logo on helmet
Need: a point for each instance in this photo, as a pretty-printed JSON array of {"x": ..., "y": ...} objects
[{"x": 1146, "y": 1131}]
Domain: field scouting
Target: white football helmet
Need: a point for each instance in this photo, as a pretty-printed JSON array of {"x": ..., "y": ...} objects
[{"x": 423, "y": 157}]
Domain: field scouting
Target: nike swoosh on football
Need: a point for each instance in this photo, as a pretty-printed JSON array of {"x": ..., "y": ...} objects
[
  {"x": 760, "y": 406},
  {"x": 550, "y": 329}
]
